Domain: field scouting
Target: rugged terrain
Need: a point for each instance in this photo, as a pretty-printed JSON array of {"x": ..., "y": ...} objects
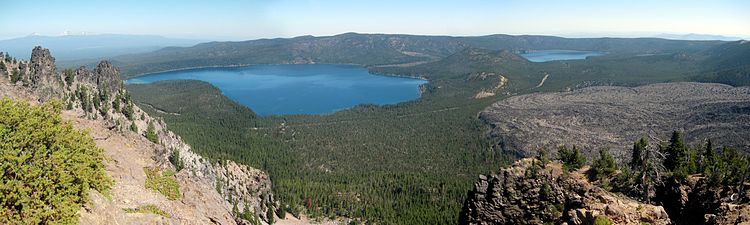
[
  {"x": 208, "y": 192},
  {"x": 615, "y": 117},
  {"x": 530, "y": 192}
]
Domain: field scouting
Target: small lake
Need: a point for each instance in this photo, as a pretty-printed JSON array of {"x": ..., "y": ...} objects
[
  {"x": 552, "y": 55},
  {"x": 299, "y": 89}
]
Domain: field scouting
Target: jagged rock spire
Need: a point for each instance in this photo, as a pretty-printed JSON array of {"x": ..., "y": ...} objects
[
  {"x": 107, "y": 77},
  {"x": 42, "y": 65},
  {"x": 42, "y": 74}
]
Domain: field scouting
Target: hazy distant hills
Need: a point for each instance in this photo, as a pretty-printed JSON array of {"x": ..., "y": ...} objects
[
  {"x": 696, "y": 37},
  {"x": 379, "y": 49},
  {"x": 78, "y": 47}
]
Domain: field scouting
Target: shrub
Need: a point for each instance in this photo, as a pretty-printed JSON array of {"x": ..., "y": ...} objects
[
  {"x": 69, "y": 76},
  {"x": 281, "y": 212},
  {"x": 127, "y": 110},
  {"x": 15, "y": 76},
  {"x": 151, "y": 133},
  {"x": 162, "y": 182},
  {"x": 133, "y": 127},
  {"x": 572, "y": 158},
  {"x": 604, "y": 166},
  {"x": 603, "y": 220},
  {"x": 176, "y": 161},
  {"x": 116, "y": 103},
  {"x": 269, "y": 215},
  {"x": 48, "y": 166}
]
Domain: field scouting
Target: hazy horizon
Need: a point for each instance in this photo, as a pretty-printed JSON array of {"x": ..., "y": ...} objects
[
  {"x": 233, "y": 21},
  {"x": 565, "y": 35}
]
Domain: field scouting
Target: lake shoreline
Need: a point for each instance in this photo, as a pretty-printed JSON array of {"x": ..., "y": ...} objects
[
  {"x": 273, "y": 64},
  {"x": 293, "y": 89}
]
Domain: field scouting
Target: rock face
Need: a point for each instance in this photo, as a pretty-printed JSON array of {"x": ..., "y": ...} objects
[
  {"x": 730, "y": 214},
  {"x": 42, "y": 66},
  {"x": 615, "y": 117},
  {"x": 694, "y": 201},
  {"x": 527, "y": 193},
  {"x": 42, "y": 75},
  {"x": 242, "y": 186},
  {"x": 107, "y": 77}
]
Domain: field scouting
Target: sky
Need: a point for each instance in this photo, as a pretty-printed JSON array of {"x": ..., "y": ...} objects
[{"x": 252, "y": 19}]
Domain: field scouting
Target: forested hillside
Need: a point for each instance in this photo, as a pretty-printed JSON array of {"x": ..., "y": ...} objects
[{"x": 404, "y": 164}]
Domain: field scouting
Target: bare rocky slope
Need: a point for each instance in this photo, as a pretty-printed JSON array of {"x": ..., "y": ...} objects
[
  {"x": 211, "y": 192},
  {"x": 615, "y": 117}
]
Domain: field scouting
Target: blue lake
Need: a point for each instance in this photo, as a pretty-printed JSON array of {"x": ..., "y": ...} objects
[
  {"x": 299, "y": 89},
  {"x": 551, "y": 55}
]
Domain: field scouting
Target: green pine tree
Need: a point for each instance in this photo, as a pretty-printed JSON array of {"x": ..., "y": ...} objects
[
  {"x": 151, "y": 133},
  {"x": 604, "y": 166},
  {"x": 133, "y": 127},
  {"x": 675, "y": 151},
  {"x": 572, "y": 158},
  {"x": 636, "y": 159}
]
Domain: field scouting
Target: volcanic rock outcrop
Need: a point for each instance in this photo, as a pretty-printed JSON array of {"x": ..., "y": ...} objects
[{"x": 531, "y": 193}]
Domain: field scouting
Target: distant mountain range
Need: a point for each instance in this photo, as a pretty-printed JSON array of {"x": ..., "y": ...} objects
[
  {"x": 698, "y": 37},
  {"x": 671, "y": 36},
  {"x": 379, "y": 49},
  {"x": 93, "y": 47}
]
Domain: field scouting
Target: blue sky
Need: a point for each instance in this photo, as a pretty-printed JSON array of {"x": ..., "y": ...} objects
[{"x": 240, "y": 20}]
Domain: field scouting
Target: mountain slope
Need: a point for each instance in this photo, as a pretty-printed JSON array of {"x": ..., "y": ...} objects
[{"x": 158, "y": 178}]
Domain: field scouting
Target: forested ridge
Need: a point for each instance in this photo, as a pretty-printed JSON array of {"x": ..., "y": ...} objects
[{"x": 379, "y": 49}]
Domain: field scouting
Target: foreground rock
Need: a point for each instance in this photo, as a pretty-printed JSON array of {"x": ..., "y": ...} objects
[
  {"x": 527, "y": 193},
  {"x": 615, "y": 117}
]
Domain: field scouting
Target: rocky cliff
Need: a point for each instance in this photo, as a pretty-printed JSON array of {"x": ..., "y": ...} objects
[
  {"x": 531, "y": 193},
  {"x": 211, "y": 192},
  {"x": 615, "y": 117}
]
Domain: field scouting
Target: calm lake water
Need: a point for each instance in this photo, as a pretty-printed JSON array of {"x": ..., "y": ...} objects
[
  {"x": 551, "y": 55},
  {"x": 299, "y": 89}
]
